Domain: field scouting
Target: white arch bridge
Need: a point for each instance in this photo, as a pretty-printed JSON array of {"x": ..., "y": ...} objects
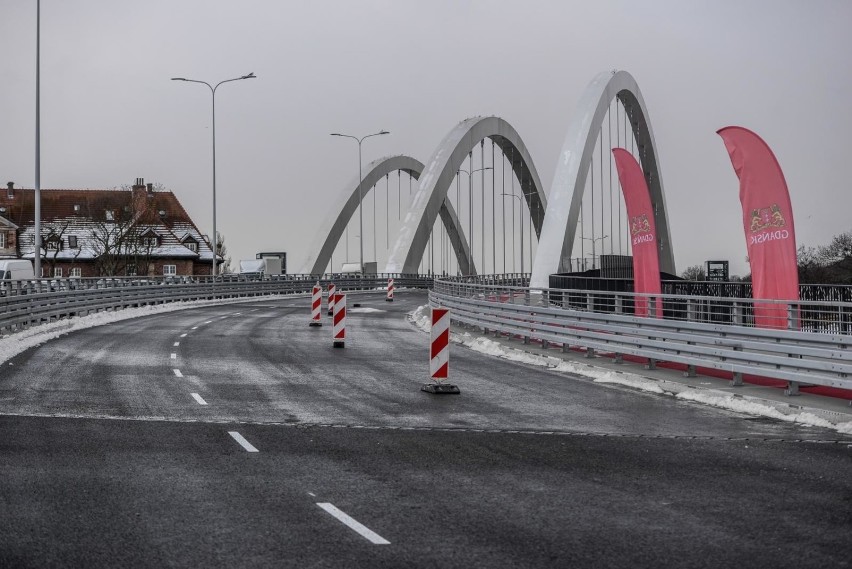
[{"x": 511, "y": 224}]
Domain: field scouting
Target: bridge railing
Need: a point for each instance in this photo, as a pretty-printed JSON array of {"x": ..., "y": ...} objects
[
  {"x": 815, "y": 347},
  {"x": 23, "y": 303}
]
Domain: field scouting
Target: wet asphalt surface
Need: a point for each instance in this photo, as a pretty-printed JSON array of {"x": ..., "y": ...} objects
[{"x": 108, "y": 458}]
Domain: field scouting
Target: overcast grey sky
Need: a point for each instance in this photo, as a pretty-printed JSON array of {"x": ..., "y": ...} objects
[{"x": 110, "y": 113}]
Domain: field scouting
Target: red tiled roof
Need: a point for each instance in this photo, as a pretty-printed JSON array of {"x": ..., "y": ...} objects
[{"x": 60, "y": 204}]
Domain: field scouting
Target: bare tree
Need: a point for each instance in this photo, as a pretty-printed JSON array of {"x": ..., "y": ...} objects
[
  {"x": 117, "y": 222},
  {"x": 222, "y": 251},
  {"x": 694, "y": 273}
]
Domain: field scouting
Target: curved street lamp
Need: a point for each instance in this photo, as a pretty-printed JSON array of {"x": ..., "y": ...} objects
[
  {"x": 521, "y": 206},
  {"x": 470, "y": 212},
  {"x": 214, "y": 239},
  {"x": 360, "y": 193}
]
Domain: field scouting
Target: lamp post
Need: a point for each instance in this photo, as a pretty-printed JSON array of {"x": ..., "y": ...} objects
[
  {"x": 360, "y": 192},
  {"x": 593, "y": 240},
  {"x": 37, "y": 189},
  {"x": 470, "y": 210},
  {"x": 213, "y": 93},
  {"x": 521, "y": 206}
]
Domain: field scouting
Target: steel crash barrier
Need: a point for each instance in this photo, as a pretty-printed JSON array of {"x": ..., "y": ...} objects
[
  {"x": 811, "y": 344},
  {"x": 25, "y": 303}
]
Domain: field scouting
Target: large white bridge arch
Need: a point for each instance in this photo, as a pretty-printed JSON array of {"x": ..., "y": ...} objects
[
  {"x": 329, "y": 234},
  {"x": 569, "y": 181},
  {"x": 431, "y": 195}
]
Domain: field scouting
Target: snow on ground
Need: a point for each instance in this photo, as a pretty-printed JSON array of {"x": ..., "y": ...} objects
[
  {"x": 14, "y": 344},
  {"x": 752, "y": 406},
  {"x": 364, "y": 310}
]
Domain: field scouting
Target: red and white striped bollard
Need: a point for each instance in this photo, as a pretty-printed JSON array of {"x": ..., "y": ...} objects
[
  {"x": 331, "y": 290},
  {"x": 316, "y": 305},
  {"x": 439, "y": 353},
  {"x": 339, "y": 328},
  {"x": 390, "y": 291}
]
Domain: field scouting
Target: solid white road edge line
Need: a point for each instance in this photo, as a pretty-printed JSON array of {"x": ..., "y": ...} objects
[
  {"x": 198, "y": 399},
  {"x": 243, "y": 443},
  {"x": 364, "y": 531},
  {"x": 177, "y": 372}
]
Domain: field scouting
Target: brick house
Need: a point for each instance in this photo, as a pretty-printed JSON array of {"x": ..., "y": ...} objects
[{"x": 89, "y": 233}]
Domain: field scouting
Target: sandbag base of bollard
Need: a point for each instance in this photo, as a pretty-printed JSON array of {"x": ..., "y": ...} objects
[
  {"x": 388, "y": 300},
  {"x": 440, "y": 388},
  {"x": 315, "y": 323},
  {"x": 339, "y": 344},
  {"x": 357, "y": 305}
]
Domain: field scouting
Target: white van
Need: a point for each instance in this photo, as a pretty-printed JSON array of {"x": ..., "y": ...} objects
[{"x": 14, "y": 270}]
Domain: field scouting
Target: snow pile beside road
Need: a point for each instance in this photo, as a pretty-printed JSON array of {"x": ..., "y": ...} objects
[
  {"x": 421, "y": 319},
  {"x": 14, "y": 344}
]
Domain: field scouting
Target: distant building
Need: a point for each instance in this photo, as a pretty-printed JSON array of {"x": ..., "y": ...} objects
[{"x": 90, "y": 233}]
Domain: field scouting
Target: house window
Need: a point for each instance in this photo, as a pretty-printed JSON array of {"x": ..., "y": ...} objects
[
  {"x": 72, "y": 241},
  {"x": 76, "y": 272},
  {"x": 192, "y": 246},
  {"x": 110, "y": 215},
  {"x": 53, "y": 245},
  {"x": 169, "y": 270},
  {"x": 130, "y": 271},
  {"x": 2, "y": 239},
  {"x": 57, "y": 272},
  {"x": 150, "y": 242}
]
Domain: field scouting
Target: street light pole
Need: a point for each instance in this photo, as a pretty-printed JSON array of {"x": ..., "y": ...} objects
[
  {"x": 214, "y": 239},
  {"x": 470, "y": 211},
  {"x": 37, "y": 189},
  {"x": 360, "y": 192},
  {"x": 521, "y": 207},
  {"x": 593, "y": 240}
]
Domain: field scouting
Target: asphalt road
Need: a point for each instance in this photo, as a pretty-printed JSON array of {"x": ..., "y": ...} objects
[{"x": 117, "y": 451}]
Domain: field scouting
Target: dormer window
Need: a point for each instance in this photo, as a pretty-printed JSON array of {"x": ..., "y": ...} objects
[
  {"x": 109, "y": 215},
  {"x": 53, "y": 244},
  {"x": 149, "y": 239},
  {"x": 190, "y": 244}
]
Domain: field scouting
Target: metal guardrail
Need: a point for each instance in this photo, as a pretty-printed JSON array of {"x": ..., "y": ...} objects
[
  {"x": 31, "y": 302},
  {"x": 818, "y": 351}
]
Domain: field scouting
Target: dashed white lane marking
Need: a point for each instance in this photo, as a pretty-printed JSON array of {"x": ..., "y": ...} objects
[
  {"x": 364, "y": 531},
  {"x": 194, "y": 328},
  {"x": 177, "y": 372},
  {"x": 198, "y": 399},
  {"x": 243, "y": 443},
  {"x": 183, "y": 335},
  {"x": 177, "y": 344},
  {"x": 312, "y": 494},
  {"x": 208, "y": 322},
  {"x": 174, "y": 356}
]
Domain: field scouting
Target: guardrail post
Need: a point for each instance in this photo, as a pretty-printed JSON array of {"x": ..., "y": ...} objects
[
  {"x": 737, "y": 379},
  {"x": 792, "y": 388},
  {"x": 691, "y": 310},
  {"x": 793, "y": 317},
  {"x": 737, "y": 314},
  {"x": 590, "y": 302},
  {"x": 652, "y": 364},
  {"x": 619, "y": 304}
]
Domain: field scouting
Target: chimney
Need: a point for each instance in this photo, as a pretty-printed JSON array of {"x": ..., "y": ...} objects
[
  {"x": 138, "y": 189},
  {"x": 11, "y": 187}
]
